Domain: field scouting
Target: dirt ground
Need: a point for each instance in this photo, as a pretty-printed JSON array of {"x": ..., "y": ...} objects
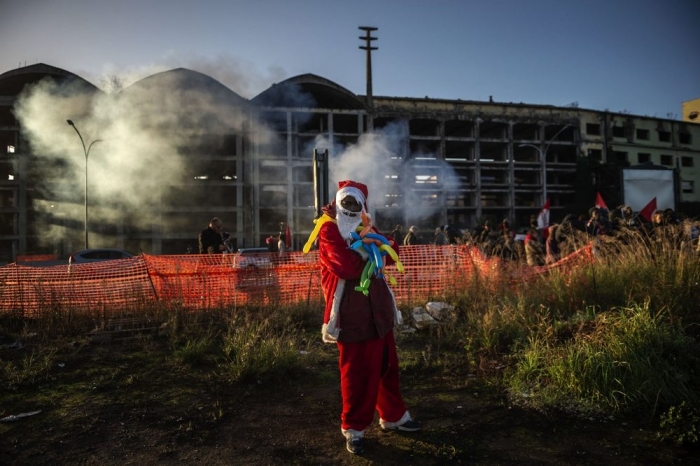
[{"x": 111, "y": 405}]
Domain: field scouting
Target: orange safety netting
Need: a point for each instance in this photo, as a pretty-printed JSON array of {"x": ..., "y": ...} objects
[{"x": 201, "y": 282}]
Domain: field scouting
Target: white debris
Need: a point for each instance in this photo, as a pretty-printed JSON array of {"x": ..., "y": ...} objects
[
  {"x": 421, "y": 318},
  {"x": 438, "y": 310},
  {"x": 14, "y": 417}
]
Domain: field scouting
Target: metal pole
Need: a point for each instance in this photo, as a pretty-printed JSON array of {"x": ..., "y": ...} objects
[
  {"x": 544, "y": 163},
  {"x": 543, "y": 158},
  {"x": 320, "y": 172},
  {"x": 87, "y": 154}
]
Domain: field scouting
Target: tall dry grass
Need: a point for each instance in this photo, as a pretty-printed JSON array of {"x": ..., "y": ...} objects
[{"x": 617, "y": 334}]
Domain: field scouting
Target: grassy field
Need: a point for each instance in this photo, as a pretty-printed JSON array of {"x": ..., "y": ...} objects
[{"x": 595, "y": 365}]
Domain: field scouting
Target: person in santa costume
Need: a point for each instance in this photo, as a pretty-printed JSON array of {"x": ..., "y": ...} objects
[{"x": 361, "y": 324}]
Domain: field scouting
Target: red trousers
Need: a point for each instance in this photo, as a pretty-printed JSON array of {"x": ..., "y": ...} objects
[{"x": 369, "y": 380}]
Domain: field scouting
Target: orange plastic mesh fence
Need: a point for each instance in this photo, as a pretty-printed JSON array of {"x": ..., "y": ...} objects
[
  {"x": 121, "y": 284},
  {"x": 201, "y": 282}
]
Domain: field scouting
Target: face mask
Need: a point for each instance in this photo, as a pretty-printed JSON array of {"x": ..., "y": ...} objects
[{"x": 347, "y": 220}]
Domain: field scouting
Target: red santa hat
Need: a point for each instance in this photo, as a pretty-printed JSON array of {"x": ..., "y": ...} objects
[{"x": 354, "y": 189}]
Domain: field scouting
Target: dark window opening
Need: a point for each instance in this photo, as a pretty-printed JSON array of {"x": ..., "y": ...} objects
[
  {"x": 664, "y": 136},
  {"x": 490, "y": 130},
  {"x": 643, "y": 134},
  {"x": 424, "y": 127},
  {"x": 595, "y": 154},
  {"x": 667, "y": 160},
  {"x": 687, "y": 162},
  {"x": 620, "y": 157},
  {"x": 643, "y": 158},
  {"x": 593, "y": 129},
  {"x": 343, "y": 123},
  {"x": 459, "y": 129},
  {"x": 685, "y": 138}
]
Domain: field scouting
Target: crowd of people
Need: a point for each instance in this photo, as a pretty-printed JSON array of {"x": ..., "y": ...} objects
[
  {"x": 539, "y": 246},
  {"x": 531, "y": 244},
  {"x": 214, "y": 240}
]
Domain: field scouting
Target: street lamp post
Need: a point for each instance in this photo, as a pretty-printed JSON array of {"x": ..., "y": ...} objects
[
  {"x": 87, "y": 153},
  {"x": 543, "y": 158}
]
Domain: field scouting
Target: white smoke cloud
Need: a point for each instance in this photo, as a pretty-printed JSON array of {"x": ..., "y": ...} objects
[
  {"x": 140, "y": 157},
  {"x": 140, "y": 163},
  {"x": 395, "y": 178}
]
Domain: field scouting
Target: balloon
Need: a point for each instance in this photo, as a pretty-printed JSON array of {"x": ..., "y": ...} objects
[
  {"x": 376, "y": 259},
  {"x": 375, "y": 245},
  {"x": 312, "y": 237},
  {"x": 377, "y": 237},
  {"x": 389, "y": 250}
]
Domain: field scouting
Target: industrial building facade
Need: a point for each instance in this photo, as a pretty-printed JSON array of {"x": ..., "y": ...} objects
[{"x": 250, "y": 162}]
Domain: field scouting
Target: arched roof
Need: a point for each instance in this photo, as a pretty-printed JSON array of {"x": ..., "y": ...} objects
[
  {"x": 12, "y": 82},
  {"x": 308, "y": 90},
  {"x": 184, "y": 79}
]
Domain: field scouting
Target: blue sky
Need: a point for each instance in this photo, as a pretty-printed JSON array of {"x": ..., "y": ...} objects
[{"x": 638, "y": 56}]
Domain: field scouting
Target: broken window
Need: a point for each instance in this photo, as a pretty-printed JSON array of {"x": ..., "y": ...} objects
[
  {"x": 687, "y": 162},
  {"x": 618, "y": 132},
  {"x": 667, "y": 160},
  {"x": 643, "y": 134},
  {"x": 643, "y": 158},
  {"x": 664, "y": 136},
  {"x": 685, "y": 138},
  {"x": 593, "y": 129}
]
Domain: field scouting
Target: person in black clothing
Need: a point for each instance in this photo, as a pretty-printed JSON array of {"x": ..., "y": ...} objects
[
  {"x": 272, "y": 242},
  {"x": 397, "y": 234},
  {"x": 440, "y": 239},
  {"x": 410, "y": 239},
  {"x": 210, "y": 239},
  {"x": 484, "y": 233}
]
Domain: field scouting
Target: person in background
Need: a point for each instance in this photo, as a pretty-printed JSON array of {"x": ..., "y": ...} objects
[
  {"x": 362, "y": 325},
  {"x": 410, "y": 239},
  {"x": 552, "y": 253},
  {"x": 271, "y": 243},
  {"x": 597, "y": 224},
  {"x": 452, "y": 234},
  {"x": 210, "y": 239},
  {"x": 505, "y": 231},
  {"x": 533, "y": 248},
  {"x": 440, "y": 239},
  {"x": 483, "y": 233},
  {"x": 397, "y": 234},
  {"x": 281, "y": 244},
  {"x": 533, "y": 221}
]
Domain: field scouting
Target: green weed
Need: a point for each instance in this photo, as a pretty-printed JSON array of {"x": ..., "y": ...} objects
[
  {"x": 33, "y": 368},
  {"x": 680, "y": 424}
]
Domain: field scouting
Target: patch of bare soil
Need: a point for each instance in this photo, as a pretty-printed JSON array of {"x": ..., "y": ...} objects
[{"x": 127, "y": 405}]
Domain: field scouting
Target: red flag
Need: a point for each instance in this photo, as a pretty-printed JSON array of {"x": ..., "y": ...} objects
[
  {"x": 288, "y": 238},
  {"x": 648, "y": 210},
  {"x": 599, "y": 202}
]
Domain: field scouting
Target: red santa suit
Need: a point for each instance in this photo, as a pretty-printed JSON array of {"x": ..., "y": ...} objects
[{"x": 361, "y": 325}]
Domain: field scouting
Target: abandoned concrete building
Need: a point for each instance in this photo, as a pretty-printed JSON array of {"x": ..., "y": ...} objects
[{"x": 250, "y": 161}]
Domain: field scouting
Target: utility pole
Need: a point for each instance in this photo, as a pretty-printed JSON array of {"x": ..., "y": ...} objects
[{"x": 368, "y": 47}]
